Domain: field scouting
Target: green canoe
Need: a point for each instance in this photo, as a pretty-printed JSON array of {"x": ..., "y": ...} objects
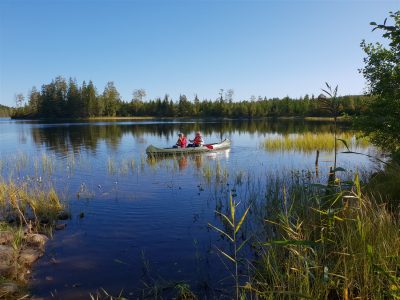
[{"x": 225, "y": 144}]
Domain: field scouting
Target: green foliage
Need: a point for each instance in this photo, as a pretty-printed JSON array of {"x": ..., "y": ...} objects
[
  {"x": 385, "y": 186},
  {"x": 5, "y": 111},
  {"x": 335, "y": 248},
  {"x": 66, "y": 99},
  {"x": 382, "y": 72},
  {"x": 233, "y": 226},
  {"x": 310, "y": 142}
]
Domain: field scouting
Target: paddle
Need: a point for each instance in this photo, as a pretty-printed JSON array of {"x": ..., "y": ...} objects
[{"x": 209, "y": 146}]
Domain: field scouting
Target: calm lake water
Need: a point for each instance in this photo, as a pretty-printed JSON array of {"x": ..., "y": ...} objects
[{"x": 138, "y": 224}]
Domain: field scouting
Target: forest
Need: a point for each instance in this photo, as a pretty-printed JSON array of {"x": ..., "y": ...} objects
[
  {"x": 68, "y": 99},
  {"x": 5, "y": 111}
]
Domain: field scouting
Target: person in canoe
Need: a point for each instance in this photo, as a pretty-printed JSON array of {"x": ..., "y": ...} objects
[
  {"x": 181, "y": 142},
  {"x": 197, "y": 141}
]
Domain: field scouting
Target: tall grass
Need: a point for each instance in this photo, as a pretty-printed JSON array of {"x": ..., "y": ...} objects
[
  {"x": 309, "y": 142},
  {"x": 28, "y": 203},
  {"x": 341, "y": 246},
  {"x": 233, "y": 225},
  {"x": 315, "y": 241}
]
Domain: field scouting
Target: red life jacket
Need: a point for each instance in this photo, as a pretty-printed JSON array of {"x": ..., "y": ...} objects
[
  {"x": 197, "y": 140},
  {"x": 182, "y": 142}
]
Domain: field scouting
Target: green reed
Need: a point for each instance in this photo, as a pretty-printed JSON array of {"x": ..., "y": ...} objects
[
  {"x": 233, "y": 224},
  {"x": 316, "y": 241},
  {"x": 47, "y": 164},
  {"x": 342, "y": 245},
  {"x": 27, "y": 203},
  {"x": 309, "y": 142}
]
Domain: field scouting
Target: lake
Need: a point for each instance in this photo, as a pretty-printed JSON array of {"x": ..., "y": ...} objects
[{"x": 140, "y": 225}]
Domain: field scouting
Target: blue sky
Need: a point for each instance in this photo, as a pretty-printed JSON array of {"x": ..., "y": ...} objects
[{"x": 267, "y": 48}]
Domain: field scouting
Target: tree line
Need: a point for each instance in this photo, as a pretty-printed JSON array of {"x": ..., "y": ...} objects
[
  {"x": 381, "y": 120},
  {"x": 5, "y": 111},
  {"x": 68, "y": 99}
]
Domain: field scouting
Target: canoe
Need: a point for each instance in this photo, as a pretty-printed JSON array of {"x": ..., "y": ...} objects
[{"x": 225, "y": 144}]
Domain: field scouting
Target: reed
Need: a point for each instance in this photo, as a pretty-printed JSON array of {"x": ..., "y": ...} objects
[
  {"x": 233, "y": 224},
  {"x": 342, "y": 246},
  {"x": 47, "y": 164},
  {"x": 111, "y": 167},
  {"x": 384, "y": 186},
  {"x": 317, "y": 241},
  {"x": 207, "y": 173},
  {"x": 310, "y": 142},
  {"x": 28, "y": 203}
]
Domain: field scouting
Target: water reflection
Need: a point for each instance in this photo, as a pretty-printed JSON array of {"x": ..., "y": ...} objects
[
  {"x": 134, "y": 204},
  {"x": 183, "y": 161},
  {"x": 62, "y": 138}
]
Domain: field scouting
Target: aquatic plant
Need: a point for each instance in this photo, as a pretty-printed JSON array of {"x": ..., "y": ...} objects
[
  {"x": 310, "y": 142},
  {"x": 233, "y": 225},
  {"x": 102, "y": 294},
  {"x": 337, "y": 247},
  {"x": 28, "y": 204}
]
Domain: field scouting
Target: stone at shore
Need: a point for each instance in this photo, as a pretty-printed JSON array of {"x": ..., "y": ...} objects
[
  {"x": 29, "y": 255},
  {"x": 60, "y": 226},
  {"x": 6, "y": 237},
  {"x": 36, "y": 239},
  {"x": 8, "y": 288},
  {"x": 63, "y": 215},
  {"x": 6, "y": 269},
  {"x": 6, "y": 253}
]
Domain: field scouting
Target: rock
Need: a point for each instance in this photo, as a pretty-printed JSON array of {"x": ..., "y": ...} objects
[
  {"x": 6, "y": 270},
  {"x": 60, "y": 226},
  {"x": 6, "y": 253},
  {"x": 28, "y": 228},
  {"x": 8, "y": 288},
  {"x": 63, "y": 215},
  {"x": 6, "y": 237},
  {"x": 29, "y": 255},
  {"x": 36, "y": 239}
]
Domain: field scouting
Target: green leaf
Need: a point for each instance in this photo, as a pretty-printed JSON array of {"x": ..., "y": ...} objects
[
  {"x": 339, "y": 169},
  {"x": 291, "y": 242},
  {"x": 225, "y": 217},
  {"x": 242, "y": 244},
  {"x": 232, "y": 207},
  {"x": 119, "y": 262},
  {"x": 326, "y": 92},
  {"x": 241, "y": 220},
  {"x": 228, "y": 256},
  {"x": 369, "y": 250},
  {"x": 372, "y": 23},
  {"x": 220, "y": 231},
  {"x": 329, "y": 87},
  {"x": 358, "y": 186},
  {"x": 345, "y": 144}
]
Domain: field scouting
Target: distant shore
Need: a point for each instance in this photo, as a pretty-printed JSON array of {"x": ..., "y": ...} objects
[{"x": 144, "y": 118}]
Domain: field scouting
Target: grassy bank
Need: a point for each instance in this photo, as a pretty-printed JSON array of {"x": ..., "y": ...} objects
[
  {"x": 311, "y": 241},
  {"x": 341, "y": 246},
  {"x": 28, "y": 213}
]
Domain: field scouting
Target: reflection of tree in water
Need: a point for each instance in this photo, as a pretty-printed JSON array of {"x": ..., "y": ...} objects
[{"x": 64, "y": 138}]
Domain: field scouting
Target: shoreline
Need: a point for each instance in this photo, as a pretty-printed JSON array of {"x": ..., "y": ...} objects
[{"x": 346, "y": 119}]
